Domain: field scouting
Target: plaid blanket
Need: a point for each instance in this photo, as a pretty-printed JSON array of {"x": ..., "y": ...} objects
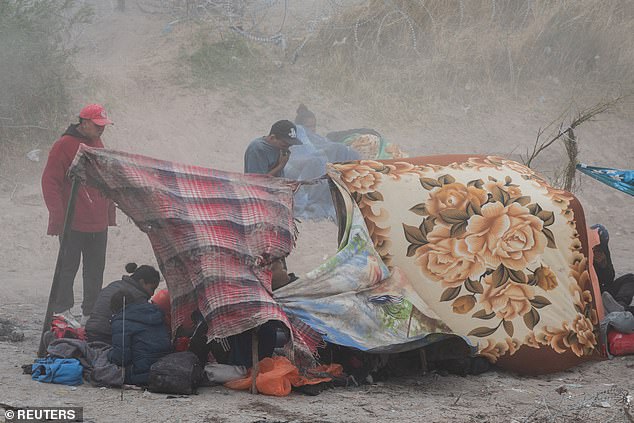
[{"x": 212, "y": 233}]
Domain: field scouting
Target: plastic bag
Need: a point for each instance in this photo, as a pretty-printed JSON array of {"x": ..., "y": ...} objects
[
  {"x": 278, "y": 375},
  {"x": 223, "y": 373},
  {"x": 274, "y": 377}
]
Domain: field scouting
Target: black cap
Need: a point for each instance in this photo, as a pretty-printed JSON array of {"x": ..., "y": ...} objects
[{"x": 286, "y": 131}]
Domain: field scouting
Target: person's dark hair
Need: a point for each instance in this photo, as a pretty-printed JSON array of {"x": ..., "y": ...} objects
[
  {"x": 116, "y": 302},
  {"x": 149, "y": 274},
  {"x": 303, "y": 115}
]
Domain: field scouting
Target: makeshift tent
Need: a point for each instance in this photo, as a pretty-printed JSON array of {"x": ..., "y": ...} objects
[
  {"x": 623, "y": 180},
  {"x": 476, "y": 247},
  {"x": 211, "y": 232}
]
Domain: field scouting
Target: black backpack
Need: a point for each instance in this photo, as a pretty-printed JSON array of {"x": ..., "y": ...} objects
[{"x": 177, "y": 373}]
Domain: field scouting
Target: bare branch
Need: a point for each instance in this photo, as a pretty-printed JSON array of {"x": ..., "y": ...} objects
[
  {"x": 583, "y": 116},
  {"x": 529, "y": 158}
]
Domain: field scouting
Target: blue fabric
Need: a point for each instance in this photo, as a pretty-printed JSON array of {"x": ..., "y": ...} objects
[
  {"x": 145, "y": 340},
  {"x": 623, "y": 180},
  {"x": 64, "y": 371},
  {"x": 354, "y": 301},
  {"x": 308, "y": 162}
]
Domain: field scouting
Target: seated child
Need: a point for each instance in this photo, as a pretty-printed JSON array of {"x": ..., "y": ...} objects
[
  {"x": 140, "y": 285},
  {"x": 140, "y": 340}
]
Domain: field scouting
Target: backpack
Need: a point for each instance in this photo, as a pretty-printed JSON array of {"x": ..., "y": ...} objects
[{"x": 176, "y": 373}]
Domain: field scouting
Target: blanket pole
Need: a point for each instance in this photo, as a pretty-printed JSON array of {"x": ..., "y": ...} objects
[
  {"x": 255, "y": 359},
  {"x": 70, "y": 211},
  {"x": 422, "y": 354}
]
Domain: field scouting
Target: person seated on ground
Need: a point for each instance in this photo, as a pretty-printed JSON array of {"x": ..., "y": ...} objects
[
  {"x": 315, "y": 144},
  {"x": 617, "y": 293},
  {"x": 280, "y": 276},
  {"x": 306, "y": 118},
  {"x": 308, "y": 162},
  {"x": 271, "y": 335},
  {"x": 620, "y": 295},
  {"x": 602, "y": 261},
  {"x": 139, "y": 337},
  {"x": 140, "y": 284}
]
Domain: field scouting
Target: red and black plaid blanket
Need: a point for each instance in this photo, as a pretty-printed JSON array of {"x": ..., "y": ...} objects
[{"x": 211, "y": 232}]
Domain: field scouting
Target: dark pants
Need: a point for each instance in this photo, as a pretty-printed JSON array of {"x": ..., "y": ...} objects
[
  {"x": 240, "y": 352},
  {"x": 90, "y": 247},
  {"x": 622, "y": 289}
]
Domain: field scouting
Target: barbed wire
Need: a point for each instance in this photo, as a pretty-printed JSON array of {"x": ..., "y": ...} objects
[{"x": 294, "y": 23}]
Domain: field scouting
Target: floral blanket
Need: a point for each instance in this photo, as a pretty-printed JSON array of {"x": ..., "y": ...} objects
[
  {"x": 354, "y": 300},
  {"x": 493, "y": 252}
]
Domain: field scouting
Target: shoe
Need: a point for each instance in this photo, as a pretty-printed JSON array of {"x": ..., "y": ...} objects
[
  {"x": 70, "y": 319},
  {"x": 84, "y": 320}
]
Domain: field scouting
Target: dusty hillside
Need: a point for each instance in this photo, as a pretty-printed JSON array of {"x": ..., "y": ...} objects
[{"x": 132, "y": 63}]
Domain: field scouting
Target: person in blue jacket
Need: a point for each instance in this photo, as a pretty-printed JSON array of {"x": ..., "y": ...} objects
[
  {"x": 140, "y": 284},
  {"x": 143, "y": 340}
]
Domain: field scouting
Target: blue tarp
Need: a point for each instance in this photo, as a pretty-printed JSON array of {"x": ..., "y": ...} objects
[
  {"x": 308, "y": 162},
  {"x": 623, "y": 180}
]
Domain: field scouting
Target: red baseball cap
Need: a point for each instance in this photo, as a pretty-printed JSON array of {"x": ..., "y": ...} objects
[{"x": 96, "y": 113}]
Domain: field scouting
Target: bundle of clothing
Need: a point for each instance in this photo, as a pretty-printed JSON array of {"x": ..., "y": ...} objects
[{"x": 138, "y": 338}]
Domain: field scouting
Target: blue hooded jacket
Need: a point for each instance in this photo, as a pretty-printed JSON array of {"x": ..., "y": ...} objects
[
  {"x": 98, "y": 325},
  {"x": 146, "y": 340}
]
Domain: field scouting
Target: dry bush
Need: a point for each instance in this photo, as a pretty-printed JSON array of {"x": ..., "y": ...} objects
[
  {"x": 35, "y": 70},
  {"x": 409, "y": 53}
]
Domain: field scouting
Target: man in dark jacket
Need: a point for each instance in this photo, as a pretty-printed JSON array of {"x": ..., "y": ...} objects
[
  {"x": 139, "y": 286},
  {"x": 144, "y": 341},
  {"x": 93, "y": 213}
]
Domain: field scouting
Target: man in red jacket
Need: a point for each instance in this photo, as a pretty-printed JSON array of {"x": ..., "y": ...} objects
[{"x": 93, "y": 213}]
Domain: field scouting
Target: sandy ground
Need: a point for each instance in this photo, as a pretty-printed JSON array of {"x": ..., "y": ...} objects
[{"x": 127, "y": 62}]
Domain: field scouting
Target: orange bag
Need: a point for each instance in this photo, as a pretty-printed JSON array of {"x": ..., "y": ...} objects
[
  {"x": 277, "y": 375},
  {"x": 274, "y": 377}
]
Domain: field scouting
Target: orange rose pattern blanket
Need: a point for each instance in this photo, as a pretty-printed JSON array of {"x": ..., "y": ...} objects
[{"x": 497, "y": 255}]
